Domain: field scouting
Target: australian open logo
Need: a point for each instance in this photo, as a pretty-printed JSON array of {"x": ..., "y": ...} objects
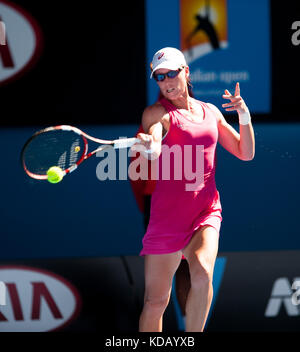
[{"x": 203, "y": 27}]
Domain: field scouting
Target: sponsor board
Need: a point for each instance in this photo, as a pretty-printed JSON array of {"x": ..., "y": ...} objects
[
  {"x": 102, "y": 295},
  {"x": 253, "y": 291},
  {"x": 259, "y": 292},
  {"x": 36, "y": 300},
  {"x": 20, "y": 41}
]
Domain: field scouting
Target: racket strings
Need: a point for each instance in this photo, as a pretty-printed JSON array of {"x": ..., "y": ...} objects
[{"x": 52, "y": 148}]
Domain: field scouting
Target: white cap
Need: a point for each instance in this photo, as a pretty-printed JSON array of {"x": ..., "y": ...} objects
[{"x": 170, "y": 58}]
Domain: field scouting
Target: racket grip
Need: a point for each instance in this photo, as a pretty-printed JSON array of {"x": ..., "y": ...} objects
[{"x": 125, "y": 142}]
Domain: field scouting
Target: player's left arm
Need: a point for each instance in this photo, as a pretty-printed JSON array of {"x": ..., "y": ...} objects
[{"x": 242, "y": 144}]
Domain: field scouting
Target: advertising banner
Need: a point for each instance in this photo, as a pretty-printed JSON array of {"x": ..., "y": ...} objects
[
  {"x": 21, "y": 41},
  {"x": 224, "y": 42},
  {"x": 259, "y": 291},
  {"x": 253, "y": 291}
]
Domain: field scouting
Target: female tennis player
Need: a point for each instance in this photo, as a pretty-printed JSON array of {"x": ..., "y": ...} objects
[{"x": 185, "y": 221}]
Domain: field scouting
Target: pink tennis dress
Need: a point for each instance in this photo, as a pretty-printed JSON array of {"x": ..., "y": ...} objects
[{"x": 185, "y": 197}]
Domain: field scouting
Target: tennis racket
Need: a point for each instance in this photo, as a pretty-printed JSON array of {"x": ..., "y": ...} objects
[{"x": 63, "y": 146}]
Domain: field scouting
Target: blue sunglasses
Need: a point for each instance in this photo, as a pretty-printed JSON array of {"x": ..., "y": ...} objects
[{"x": 159, "y": 77}]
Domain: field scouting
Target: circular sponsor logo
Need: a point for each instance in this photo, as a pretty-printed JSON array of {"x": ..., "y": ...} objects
[
  {"x": 21, "y": 41},
  {"x": 36, "y": 300}
]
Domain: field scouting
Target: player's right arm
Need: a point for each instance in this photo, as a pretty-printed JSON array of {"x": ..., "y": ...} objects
[{"x": 152, "y": 125}]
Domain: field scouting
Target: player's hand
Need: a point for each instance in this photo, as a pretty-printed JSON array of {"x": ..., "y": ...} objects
[
  {"x": 146, "y": 140},
  {"x": 236, "y": 101},
  {"x": 150, "y": 148}
]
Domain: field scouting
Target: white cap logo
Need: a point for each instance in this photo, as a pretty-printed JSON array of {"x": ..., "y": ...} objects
[
  {"x": 169, "y": 58},
  {"x": 160, "y": 56}
]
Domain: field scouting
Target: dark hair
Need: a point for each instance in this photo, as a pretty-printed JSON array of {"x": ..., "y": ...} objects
[
  {"x": 190, "y": 89},
  {"x": 190, "y": 86}
]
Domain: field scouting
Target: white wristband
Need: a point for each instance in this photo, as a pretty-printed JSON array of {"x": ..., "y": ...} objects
[
  {"x": 148, "y": 153},
  {"x": 244, "y": 118}
]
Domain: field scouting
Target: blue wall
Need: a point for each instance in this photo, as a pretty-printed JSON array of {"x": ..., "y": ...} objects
[{"x": 82, "y": 216}]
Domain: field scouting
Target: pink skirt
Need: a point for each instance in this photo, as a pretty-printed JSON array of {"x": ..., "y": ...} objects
[{"x": 155, "y": 242}]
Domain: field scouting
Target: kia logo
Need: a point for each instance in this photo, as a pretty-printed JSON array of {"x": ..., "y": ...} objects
[
  {"x": 21, "y": 41},
  {"x": 36, "y": 300}
]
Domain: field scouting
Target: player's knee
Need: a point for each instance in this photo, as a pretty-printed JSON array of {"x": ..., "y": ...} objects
[
  {"x": 157, "y": 303},
  {"x": 201, "y": 273}
]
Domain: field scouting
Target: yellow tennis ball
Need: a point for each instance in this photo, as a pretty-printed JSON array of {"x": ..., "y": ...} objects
[
  {"x": 55, "y": 174},
  {"x": 77, "y": 149}
]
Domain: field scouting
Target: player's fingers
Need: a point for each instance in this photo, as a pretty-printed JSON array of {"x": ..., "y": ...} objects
[
  {"x": 226, "y": 96},
  {"x": 145, "y": 140},
  {"x": 228, "y": 105},
  {"x": 237, "y": 89},
  {"x": 144, "y": 137},
  {"x": 234, "y": 100},
  {"x": 233, "y": 108}
]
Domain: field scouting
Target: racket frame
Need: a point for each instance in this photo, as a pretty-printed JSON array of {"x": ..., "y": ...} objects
[{"x": 116, "y": 144}]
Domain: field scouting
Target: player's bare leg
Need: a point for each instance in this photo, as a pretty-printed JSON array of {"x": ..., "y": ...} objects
[
  {"x": 201, "y": 254},
  {"x": 159, "y": 272}
]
